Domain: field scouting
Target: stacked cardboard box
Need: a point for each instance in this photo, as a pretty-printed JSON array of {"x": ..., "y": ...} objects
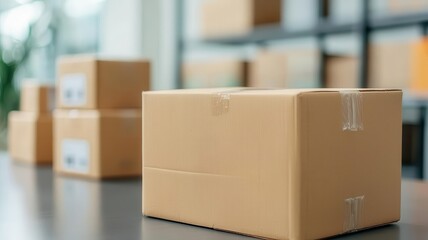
[
  {"x": 276, "y": 164},
  {"x": 297, "y": 68},
  {"x": 215, "y": 73},
  {"x": 97, "y": 128},
  {"x": 30, "y": 130},
  {"x": 238, "y": 17}
]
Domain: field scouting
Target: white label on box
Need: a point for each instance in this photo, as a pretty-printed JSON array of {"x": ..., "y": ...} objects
[
  {"x": 73, "y": 89},
  {"x": 75, "y": 155}
]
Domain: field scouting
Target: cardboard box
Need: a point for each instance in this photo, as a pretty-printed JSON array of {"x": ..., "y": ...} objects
[
  {"x": 37, "y": 98},
  {"x": 97, "y": 143},
  {"x": 403, "y": 6},
  {"x": 30, "y": 137},
  {"x": 86, "y": 82},
  {"x": 279, "y": 164},
  {"x": 419, "y": 80},
  {"x": 269, "y": 70},
  {"x": 341, "y": 72},
  {"x": 390, "y": 65},
  {"x": 238, "y": 17},
  {"x": 290, "y": 68},
  {"x": 215, "y": 73}
]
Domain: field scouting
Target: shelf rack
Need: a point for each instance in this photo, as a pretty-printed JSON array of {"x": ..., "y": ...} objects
[{"x": 363, "y": 28}]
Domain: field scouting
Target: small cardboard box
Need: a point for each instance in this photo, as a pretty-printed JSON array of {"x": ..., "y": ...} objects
[
  {"x": 238, "y": 17},
  {"x": 30, "y": 137},
  {"x": 97, "y": 143},
  {"x": 390, "y": 65},
  {"x": 341, "y": 72},
  {"x": 269, "y": 70},
  {"x": 86, "y": 82},
  {"x": 277, "y": 164},
  {"x": 215, "y": 73},
  {"x": 37, "y": 98},
  {"x": 403, "y": 6},
  {"x": 289, "y": 68}
]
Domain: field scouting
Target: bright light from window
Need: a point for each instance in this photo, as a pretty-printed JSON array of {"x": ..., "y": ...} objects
[
  {"x": 15, "y": 23},
  {"x": 81, "y": 8}
]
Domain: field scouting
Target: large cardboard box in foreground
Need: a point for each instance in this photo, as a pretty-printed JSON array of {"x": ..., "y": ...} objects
[
  {"x": 280, "y": 164},
  {"x": 87, "y": 82},
  {"x": 30, "y": 137},
  {"x": 98, "y": 143},
  {"x": 238, "y": 17},
  {"x": 37, "y": 98}
]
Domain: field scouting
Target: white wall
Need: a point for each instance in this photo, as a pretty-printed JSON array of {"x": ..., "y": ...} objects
[{"x": 142, "y": 28}]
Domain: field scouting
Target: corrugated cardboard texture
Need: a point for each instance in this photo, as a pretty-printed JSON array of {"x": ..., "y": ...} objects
[
  {"x": 285, "y": 68},
  {"x": 37, "y": 98},
  {"x": 30, "y": 137},
  {"x": 390, "y": 65},
  {"x": 341, "y": 72},
  {"x": 238, "y": 17},
  {"x": 270, "y": 163},
  {"x": 215, "y": 73},
  {"x": 113, "y": 139},
  {"x": 100, "y": 80}
]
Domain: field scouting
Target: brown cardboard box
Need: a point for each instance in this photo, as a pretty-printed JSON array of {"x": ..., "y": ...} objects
[
  {"x": 403, "y": 6},
  {"x": 238, "y": 17},
  {"x": 86, "y": 82},
  {"x": 280, "y": 164},
  {"x": 341, "y": 72},
  {"x": 269, "y": 69},
  {"x": 97, "y": 143},
  {"x": 30, "y": 137},
  {"x": 390, "y": 65},
  {"x": 37, "y": 98},
  {"x": 215, "y": 73},
  {"x": 292, "y": 68}
]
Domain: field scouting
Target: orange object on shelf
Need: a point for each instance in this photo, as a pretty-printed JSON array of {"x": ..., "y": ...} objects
[{"x": 419, "y": 80}]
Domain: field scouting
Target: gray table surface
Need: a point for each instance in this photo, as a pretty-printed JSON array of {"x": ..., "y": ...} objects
[{"x": 35, "y": 203}]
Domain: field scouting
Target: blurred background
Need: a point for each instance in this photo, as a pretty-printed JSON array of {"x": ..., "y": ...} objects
[{"x": 218, "y": 43}]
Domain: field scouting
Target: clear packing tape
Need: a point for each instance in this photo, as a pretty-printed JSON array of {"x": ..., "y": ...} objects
[
  {"x": 352, "y": 110},
  {"x": 353, "y": 214}
]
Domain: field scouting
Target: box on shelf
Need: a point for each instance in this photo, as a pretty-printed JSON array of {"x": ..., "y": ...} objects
[
  {"x": 403, "y": 6},
  {"x": 419, "y": 81},
  {"x": 269, "y": 69},
  {"x": 30, "y": 137},
  {"x": 97, "y": 143},
  {"x": 37, "y": 97},
  {"x": 230, "y": 18},
  {"x": 390, "y": 65},
  {"x": 215, "y": 73},
  {"x": 291, "y": 68},
  {"x": 341, "y": 72},
  {"x": 279, "y": 164},
  {"x": 88, "y": 82}
]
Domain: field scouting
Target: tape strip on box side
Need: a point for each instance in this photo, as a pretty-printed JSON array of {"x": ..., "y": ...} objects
[
  {"x": 353, "y": 214},
  {"x": 352, "y": 110}
]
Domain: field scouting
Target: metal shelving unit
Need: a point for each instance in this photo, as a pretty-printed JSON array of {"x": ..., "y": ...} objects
[{"x": 363, "y": 28}]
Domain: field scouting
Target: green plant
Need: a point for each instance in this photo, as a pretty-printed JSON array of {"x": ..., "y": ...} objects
[{"x": 14, "y": 54}]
